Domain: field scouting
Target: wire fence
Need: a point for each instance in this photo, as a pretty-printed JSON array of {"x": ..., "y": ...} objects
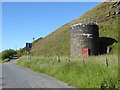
[{"x": 60, "y": 59}]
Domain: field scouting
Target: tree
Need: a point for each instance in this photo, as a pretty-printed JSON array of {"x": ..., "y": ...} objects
[
  {"x": 21, "y": 52},
  {"x": 8, "y": 54}
]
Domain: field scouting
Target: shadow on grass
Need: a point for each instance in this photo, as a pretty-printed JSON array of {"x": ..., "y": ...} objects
[{"x": 104, "y": 42}]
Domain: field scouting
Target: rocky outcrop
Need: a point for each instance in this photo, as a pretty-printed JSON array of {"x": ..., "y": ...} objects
[
  {"x": 111, "y": 14},
  {"x": 116, "y": 4}
]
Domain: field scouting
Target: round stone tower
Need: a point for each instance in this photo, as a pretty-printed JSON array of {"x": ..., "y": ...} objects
[{"x": 84, "y": 39}]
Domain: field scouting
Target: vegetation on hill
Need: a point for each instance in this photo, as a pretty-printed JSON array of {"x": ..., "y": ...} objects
[
  {"x": 58, "y": 42},
  {"x": 0, "y": 55},
  {"x": 21, "y": 52},
  {"x": 8, "y": 54}
]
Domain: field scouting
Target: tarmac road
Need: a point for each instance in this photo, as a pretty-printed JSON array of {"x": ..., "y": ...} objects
[{"x": 14, "y": 76}]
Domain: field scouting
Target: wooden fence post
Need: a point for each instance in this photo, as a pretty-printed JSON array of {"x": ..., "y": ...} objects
[
  {"x": 51, "y": 58},
  {"x": 45, "y": 56},
  {"x": 58, "y": 59},
  {"x": 84, "y": 63},
  {"x": 106, "y": 61},
  {"x": 69, "y": 58}
]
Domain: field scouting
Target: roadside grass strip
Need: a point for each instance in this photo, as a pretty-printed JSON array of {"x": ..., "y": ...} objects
[{"x": 86, "y": 72}]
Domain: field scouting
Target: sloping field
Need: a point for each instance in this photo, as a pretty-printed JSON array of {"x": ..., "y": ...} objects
[{"x": 58, "y": 42}]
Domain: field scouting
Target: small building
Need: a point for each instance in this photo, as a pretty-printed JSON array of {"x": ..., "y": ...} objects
[{"x": 84, "y": 39}]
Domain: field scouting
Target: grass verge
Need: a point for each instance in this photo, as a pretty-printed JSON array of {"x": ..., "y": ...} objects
[
  {"x": 87, "y": 72},
  {"x": 6, "y": 60}
]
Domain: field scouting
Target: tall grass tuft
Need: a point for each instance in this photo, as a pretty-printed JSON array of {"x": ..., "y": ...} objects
[{"x": 86, "y": 72}]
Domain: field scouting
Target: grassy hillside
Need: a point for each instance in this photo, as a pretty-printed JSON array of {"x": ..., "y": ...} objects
[{"x": 58, "y": 42}]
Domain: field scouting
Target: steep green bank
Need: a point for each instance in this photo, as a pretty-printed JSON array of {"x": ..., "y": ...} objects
[{"x": 58, "y": 42}]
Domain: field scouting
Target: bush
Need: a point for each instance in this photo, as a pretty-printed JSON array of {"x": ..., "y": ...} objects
[
  {"x": 8, "y": 54},
  {"x": 0, "y": 56},
  {"x": 6, "y": 60},
  {"x": 21, "y": 52}
]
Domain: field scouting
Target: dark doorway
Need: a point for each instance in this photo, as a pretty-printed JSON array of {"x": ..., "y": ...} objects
[{"x": 104, "y": 42}]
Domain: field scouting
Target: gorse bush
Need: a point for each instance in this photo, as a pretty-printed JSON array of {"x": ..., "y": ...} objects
[{"x": 8, "y": 54}]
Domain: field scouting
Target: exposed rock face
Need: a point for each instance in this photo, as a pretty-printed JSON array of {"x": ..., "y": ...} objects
[
  {"x": 116, "y": 12},
  {"x": 115, "y": 4}
]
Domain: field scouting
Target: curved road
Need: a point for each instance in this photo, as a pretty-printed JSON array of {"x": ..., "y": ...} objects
[{"x": 14, "y": 76}]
